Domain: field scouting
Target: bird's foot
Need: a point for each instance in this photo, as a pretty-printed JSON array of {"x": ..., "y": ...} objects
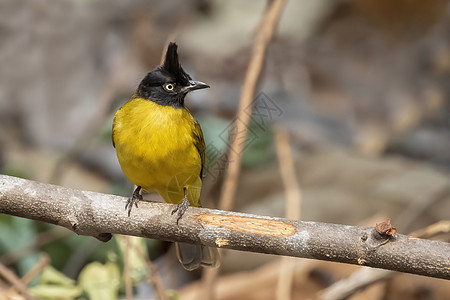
[
  {"x": 182, "y": 207},
  {"x": 134, "y": 199}
]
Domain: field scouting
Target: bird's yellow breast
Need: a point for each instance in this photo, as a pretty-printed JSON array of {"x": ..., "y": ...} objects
[{"x": 156, "y": 149}]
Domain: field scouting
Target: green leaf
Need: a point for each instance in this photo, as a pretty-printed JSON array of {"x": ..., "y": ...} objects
[
  {"x": 100, "y": 282},
  {"x": 55, "y": 285},
  {"x": 52, "y": 276},
  {"x": 50, "y": 291}
]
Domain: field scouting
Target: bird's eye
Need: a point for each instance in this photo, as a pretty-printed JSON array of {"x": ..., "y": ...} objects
[{"x": 169, "y": 87}]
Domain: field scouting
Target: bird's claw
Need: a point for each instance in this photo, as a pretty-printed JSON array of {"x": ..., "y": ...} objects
[
  {"x": 181, "y": 208},
  {"x": 134, "y": 199}
]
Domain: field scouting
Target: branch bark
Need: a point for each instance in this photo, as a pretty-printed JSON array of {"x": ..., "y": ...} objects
[{"x": 99, "y": 215}]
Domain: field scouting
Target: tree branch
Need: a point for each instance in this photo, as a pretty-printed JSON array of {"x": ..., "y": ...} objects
[{"x": 99, "y": 215}]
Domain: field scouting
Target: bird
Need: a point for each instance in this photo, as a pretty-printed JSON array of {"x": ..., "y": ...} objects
[{"x": 160, "y": 147}]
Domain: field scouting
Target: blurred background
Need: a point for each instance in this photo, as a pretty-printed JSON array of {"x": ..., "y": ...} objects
[{"x": 362, "y": 88}]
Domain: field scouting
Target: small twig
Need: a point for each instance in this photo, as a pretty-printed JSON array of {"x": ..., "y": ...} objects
[
  {"x": 99, "y": 215},
  {"x": 287, "y": 171},
  {"x": 126, "y": 269},
  {"x": 37, "y": 269},
  {"x": 356, "y": 282},
  {"x": 208, "y": 282},
  {"x": 156, "y": 280},
  {"x": 293, "y": 207},
  {"x": 15, "y": 281},
  {"x": 432, "y": 230}
]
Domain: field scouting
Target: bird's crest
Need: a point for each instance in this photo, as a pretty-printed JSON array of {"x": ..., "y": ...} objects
[{"x": 172, "y": 66}]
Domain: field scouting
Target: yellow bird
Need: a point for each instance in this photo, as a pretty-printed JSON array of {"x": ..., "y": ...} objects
[{"x": 160, "y": 147}]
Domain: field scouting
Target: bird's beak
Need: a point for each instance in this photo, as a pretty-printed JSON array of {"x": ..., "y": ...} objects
[{"x": 195, "y": 85}]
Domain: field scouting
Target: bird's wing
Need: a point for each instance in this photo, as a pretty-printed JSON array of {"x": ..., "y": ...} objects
[{"x": 199, "y": 143}]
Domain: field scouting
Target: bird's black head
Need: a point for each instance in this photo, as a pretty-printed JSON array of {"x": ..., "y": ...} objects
[{"x": 168, "y": 84}]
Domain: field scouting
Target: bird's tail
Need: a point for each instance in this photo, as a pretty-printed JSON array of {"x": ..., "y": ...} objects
[{"x": 192, "y": 256}]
